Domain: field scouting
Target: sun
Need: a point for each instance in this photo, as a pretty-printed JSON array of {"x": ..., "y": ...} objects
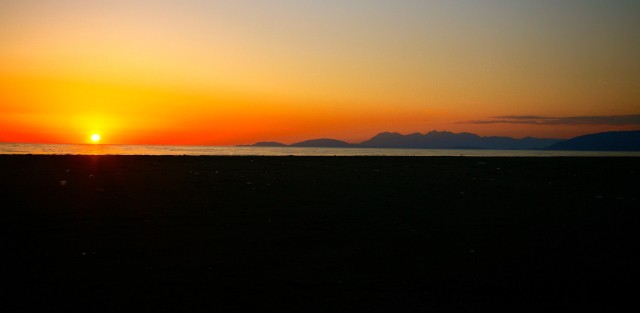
[{"x": 95, "y": 138}]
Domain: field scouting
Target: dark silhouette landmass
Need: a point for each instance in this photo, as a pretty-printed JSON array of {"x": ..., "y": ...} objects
[
  {"x": 608, "y": 141},
  {"x": 268, "y": 144},
  {"x": 449, "y": 140},
  {"x": 431, "y": 140},
  {"x": 323, "y": 142}
]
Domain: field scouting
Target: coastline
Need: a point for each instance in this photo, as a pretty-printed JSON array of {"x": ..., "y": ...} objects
[{"x": 198, "y": 233}]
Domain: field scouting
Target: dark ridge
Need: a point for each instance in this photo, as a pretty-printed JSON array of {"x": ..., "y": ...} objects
[
  {"x": 323, "y": 143},
  {"x": 607, "y": 141},
  {"x": 449, "y": 140},
  {"x": 268, "y": 144}
]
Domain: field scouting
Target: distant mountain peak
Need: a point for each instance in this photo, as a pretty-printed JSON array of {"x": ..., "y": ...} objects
[{"x": 607, "y": 141}]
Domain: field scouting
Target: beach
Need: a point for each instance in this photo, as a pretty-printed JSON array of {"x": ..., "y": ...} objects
[{"x": 317, "y": 234}]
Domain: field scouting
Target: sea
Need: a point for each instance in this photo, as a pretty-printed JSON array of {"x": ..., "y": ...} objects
[{"x": 105, "y": 149}]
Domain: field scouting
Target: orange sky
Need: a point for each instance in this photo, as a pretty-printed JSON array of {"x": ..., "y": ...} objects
[{"x": 237, "y": 72}]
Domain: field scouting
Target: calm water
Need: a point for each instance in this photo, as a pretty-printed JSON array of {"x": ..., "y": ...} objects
[{"x": 15, "y": 148}]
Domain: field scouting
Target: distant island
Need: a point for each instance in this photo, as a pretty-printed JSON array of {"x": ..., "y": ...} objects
[
  {"x": 324, "y": 142},
  {"x": 606, "y": 141},
  {"x": 268, "y": 144}
]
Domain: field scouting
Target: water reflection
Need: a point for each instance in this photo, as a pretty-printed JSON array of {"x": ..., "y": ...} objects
[{"x": 99, "y": 149}]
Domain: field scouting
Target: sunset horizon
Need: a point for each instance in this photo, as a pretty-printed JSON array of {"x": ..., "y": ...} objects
[
  {"x": 98, "y": 139},
  {"x": 238, "y": 72}
]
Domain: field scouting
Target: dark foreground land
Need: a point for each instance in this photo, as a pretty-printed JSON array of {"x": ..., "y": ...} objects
[{"x": 358, "y": 234}]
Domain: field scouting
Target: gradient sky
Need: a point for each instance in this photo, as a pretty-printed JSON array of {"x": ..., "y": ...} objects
[{"x": 237, "y": 72}]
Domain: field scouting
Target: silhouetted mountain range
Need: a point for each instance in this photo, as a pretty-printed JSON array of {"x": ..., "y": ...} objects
[
  {"x": 609, "y": 141},
  {"x": 449, "y": 140}
]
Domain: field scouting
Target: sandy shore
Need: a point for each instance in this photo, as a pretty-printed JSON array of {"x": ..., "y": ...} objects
[{"x": 360, "y": 234}]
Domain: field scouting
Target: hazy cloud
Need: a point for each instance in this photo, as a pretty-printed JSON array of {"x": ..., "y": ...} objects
[
  {"x": 619, "y": 120},
  {"x": 523, "y": 117}
]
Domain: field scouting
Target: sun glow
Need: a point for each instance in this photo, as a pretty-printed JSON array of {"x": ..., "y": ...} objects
[{"x": 95, "y": 138}]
